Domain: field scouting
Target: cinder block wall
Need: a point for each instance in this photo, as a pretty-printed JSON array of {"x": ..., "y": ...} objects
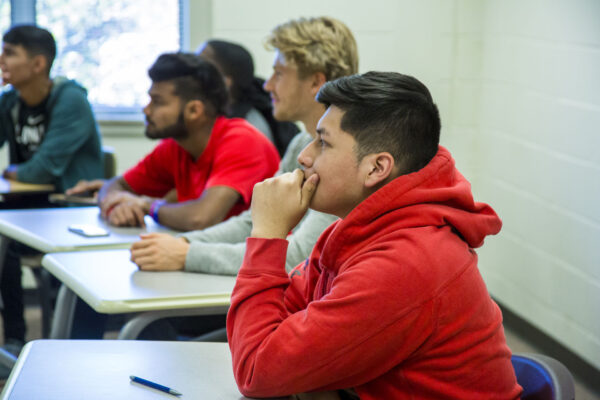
[{"x": 540, "y": 166}]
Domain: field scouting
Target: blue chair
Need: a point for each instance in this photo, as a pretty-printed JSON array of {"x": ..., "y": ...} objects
[{"x": 543, "y": 377}]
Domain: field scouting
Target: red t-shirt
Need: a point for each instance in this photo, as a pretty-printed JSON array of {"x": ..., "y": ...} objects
[{"x": 237, "y": 156}]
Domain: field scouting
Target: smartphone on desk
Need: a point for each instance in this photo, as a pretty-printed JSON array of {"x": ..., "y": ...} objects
[{"x": 88, "y": 230}]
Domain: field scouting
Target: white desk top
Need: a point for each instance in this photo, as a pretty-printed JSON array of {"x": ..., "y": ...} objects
[
  {"x": 100, "y": 369},
  {"x": 110, "y": 283},
  {"x": 46, "y": 229}
]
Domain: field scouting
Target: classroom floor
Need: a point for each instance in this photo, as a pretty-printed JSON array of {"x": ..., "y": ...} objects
[{"x": 587, "y": 384}]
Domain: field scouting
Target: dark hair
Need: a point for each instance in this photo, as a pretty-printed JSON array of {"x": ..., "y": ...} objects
[
  {"x": 194, "y": 79},
  {"x": 387, "y": 111},
  {"x": 35, "y": 40},
  {"x": 247, "y": 91}
]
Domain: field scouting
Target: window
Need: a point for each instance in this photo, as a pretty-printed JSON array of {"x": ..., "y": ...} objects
[
  {"x": 4, "y": 15},
  {"x": 108, "y": 46}
]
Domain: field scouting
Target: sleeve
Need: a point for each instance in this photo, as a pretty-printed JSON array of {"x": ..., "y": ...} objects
[
  {"x": 153, "y": 175},
  {"x": 305, "y": 235},
  {"x": 215, "y": 258},
  {"x": 241, "y": 160},
  {"x": 4, "y": 116},
  {"x": 71, "y": 122},
  {"x": 220, "y": 248},
  {"x": 345, "y": 339}
]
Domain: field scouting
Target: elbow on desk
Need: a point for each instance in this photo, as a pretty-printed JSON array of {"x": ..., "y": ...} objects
[
  {"x": 250, "y": 388},
  {"x": 265, "y": 383}
]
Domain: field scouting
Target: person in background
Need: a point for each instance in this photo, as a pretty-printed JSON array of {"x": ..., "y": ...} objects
[
  {"x": 52, "y": 137},
  {"x": 390, "y": 304},
  {"x": 247, "y": 98},
  {"x": 203, "y": 170}
]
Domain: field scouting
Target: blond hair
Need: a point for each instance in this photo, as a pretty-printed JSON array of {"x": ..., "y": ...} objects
[{"x": 320, "y": 44}]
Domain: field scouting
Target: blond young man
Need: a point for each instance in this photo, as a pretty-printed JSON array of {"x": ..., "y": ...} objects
[{"x": 308, "y": 53}]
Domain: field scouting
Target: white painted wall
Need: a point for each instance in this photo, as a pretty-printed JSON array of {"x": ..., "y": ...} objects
[{"x": 539, "y": 165}]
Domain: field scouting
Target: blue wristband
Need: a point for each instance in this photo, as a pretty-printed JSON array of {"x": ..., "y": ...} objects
[{"x": 154, "y": 207}]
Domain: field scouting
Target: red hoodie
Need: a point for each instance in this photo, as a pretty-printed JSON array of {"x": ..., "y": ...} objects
[{"x": 390, "y": 302}]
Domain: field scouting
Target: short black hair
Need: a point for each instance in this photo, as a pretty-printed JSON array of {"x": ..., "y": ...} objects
[
  {"x": 235, "y": 62},
  {"x": 35, "y": 40},
  {"x": 387, "y": 111},
  {"x": 194, "y": 79}
]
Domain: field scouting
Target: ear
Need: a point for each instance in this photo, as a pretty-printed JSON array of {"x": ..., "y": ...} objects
[
  {"x": 194, "y": 110},
  {"x": 39, "y": 64},
  {"x": 378, "y": 169},
  {"x": 318, "y": 79},
  {"x": 228, "y": 81}
]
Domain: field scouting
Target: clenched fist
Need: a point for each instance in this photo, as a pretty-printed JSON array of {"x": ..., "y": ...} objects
[{"x": 279, "y": 203}]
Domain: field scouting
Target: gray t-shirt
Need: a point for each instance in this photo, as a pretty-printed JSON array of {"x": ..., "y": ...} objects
[
  {"x": 255, "y": 118},
  {"x": 220, "y": 249}
]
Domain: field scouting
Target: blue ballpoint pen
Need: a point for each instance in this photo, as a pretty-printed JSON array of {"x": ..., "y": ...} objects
[{"x": 154, "y": 385}]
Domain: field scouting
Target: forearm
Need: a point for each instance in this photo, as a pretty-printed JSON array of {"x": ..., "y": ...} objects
[
  {"x": 234, "y": 230},
  {"x": 111, "y": 186},
  {"x": 215, "y": 258},
  {"x": 255, "y": 324},
  {"x": 187, "y": 216},
  {"x": 220, "y": 248},
  {"x": 33, "y": 171},
  {"x": 210, "y": 209},
  {"x": 305, "y": 235}
]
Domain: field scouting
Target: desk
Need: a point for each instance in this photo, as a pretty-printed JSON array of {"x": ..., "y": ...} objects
[
  {"x": 100, "y": 369},
  {"x": 46, "y": 229},
  {"x": 110, "y": 283},
  {"x": 15, "y": 194},
  {"x": 8, "y": 186}
]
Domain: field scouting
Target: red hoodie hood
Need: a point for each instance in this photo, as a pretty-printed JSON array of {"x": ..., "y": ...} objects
[{"x": 436, "y": 195}]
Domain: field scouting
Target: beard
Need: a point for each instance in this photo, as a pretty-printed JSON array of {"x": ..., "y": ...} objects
[{"x": 175, "y": 131}]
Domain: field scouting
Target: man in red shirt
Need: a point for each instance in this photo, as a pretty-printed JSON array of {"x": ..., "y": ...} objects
[
  {"x": 390, "y": 303},
  {"x": 204, "y": 169}
]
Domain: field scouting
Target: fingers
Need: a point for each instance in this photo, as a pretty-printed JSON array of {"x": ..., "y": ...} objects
[
  {"x": 308, "y": 189},
  {"x": 150, "y": 235},
  {"x": 145, "y": 258},
  {"x": 108, "y": 204},
  {"x": 298, "y": 175},
  {"x": 76, "y": 189},
  {"x": 140, "y": 244},
  {"x": 146, "y": 263},
  {"x": 126, "y": 215},
  {"x": 139, "y": 216},
  {"x": 85, "y": 186}
]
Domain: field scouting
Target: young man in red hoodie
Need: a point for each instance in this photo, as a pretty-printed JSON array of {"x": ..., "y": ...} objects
[{"x": 390, "y": 304}]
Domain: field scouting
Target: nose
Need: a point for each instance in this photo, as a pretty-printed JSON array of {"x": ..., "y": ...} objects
[
  {"x": 307, "y": 155},
  {"x": 268, "y": 85},
  {"x": 146, "y": 110}
]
